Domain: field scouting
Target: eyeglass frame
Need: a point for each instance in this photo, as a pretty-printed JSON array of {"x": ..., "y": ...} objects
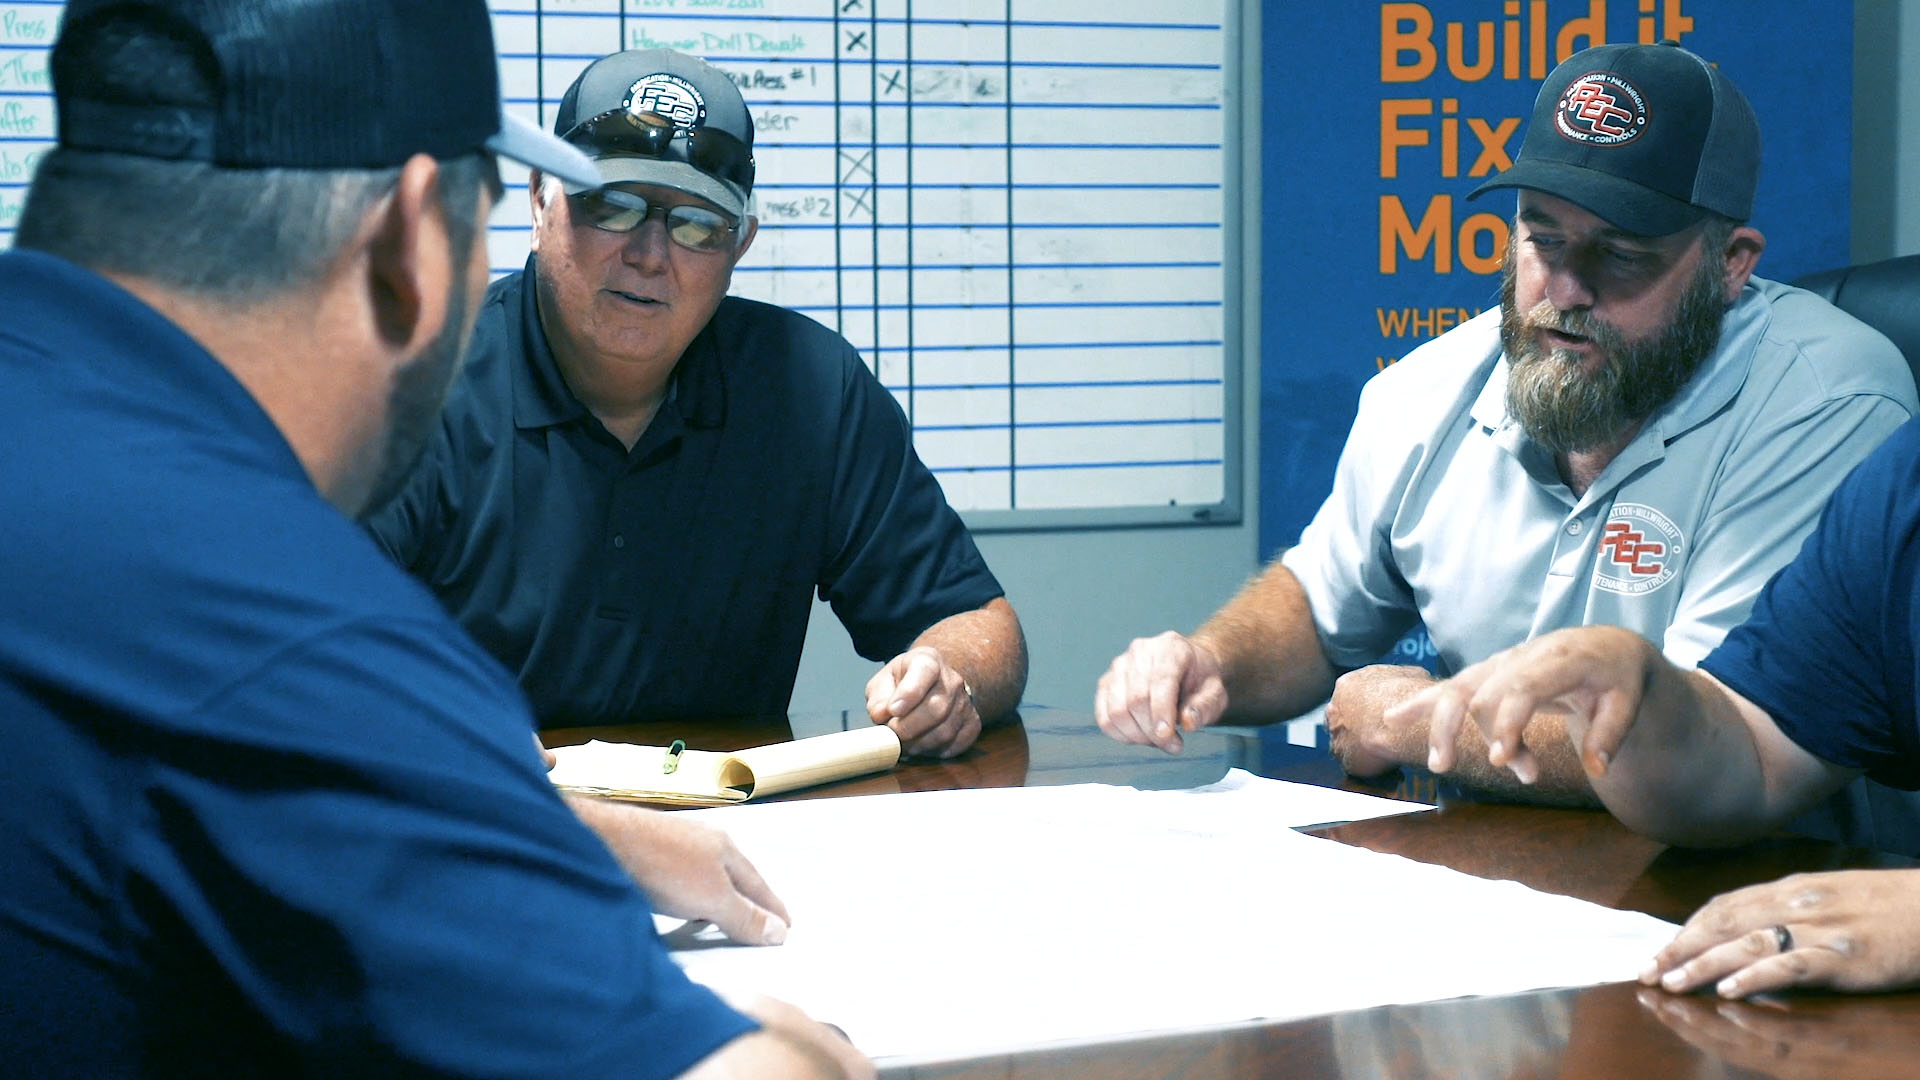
[{"x": 650, "y": 208}]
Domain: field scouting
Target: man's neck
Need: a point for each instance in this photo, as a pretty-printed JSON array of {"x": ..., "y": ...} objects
[
  {"x": 316, "y": 384},
  {"x": 623, "y": 393},
  {"x": 1579, "y": 469},
  {"x": 625, "y": 424}
]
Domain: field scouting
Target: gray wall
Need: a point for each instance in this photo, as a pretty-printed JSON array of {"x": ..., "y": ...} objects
[{"x": 1083, "y": 594}]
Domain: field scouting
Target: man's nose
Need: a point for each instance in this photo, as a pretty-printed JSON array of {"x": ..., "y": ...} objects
[
  {"x": 648, "y": 244},
  {"x": 1568, "y": 288}
]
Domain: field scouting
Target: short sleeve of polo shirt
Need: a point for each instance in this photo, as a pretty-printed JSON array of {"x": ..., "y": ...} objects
[
  {"x": 901, "y": 558},
  {"x": 1344, "y": 560},
  {"x": 359, "y": 834},
  {"x": 1828, "y": 650}
]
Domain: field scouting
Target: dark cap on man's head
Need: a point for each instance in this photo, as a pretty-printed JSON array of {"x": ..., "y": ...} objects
[
  {"x": 300, "y": 84},
  {"x": 1647, "y": 137},
  {"x": 706, "y": 134}
]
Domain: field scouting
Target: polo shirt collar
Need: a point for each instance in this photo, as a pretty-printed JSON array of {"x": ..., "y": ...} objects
[
  {"x": 152, "y": 357},
  {"x": 540, "y": 395},
  {"x": 541, "y": 398}
]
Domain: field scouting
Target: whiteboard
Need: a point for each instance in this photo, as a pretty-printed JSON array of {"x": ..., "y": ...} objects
[{"x": 1022, "y": 213}]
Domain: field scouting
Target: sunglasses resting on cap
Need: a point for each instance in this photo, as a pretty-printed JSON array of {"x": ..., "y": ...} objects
[{"x": 651, "y": 135}]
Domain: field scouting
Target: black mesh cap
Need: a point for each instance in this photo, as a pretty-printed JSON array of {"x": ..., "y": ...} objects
[
  {"x": 1647, "y": 137},
  {"x": 303, "y": 84}
]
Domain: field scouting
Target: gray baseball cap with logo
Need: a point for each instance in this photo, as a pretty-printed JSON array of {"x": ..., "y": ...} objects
[{"x": 660, "y": 117}]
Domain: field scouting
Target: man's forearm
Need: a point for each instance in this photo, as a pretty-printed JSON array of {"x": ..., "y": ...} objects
[
  {"x": 1270, "y": 655},
  {"x": 989, "y": 650},
  {"x": 1368, "y": 744},
  {"x": 1562, "y": 782},
  {"x": 1688, "y": 771}
]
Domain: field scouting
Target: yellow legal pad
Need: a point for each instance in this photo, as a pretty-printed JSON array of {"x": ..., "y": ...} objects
[{"x": 708, "y": 778}]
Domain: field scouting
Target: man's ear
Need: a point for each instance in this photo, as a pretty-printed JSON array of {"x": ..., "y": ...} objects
[
  {"x": 752, "y": 227},
  {"x": 535, "y": 181},
  {"x": 410, "y": 260},
  {"x": 1744, "y": 246}
]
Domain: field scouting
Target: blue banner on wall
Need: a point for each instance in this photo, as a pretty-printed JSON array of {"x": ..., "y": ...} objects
[{"x": 1379, "y": 118}]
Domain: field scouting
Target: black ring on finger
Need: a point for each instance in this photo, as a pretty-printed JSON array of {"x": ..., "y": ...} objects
[{"x": 1783, "y": 937}]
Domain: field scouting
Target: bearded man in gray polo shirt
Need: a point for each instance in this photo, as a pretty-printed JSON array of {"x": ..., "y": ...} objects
[{"x": 1641, "y": 436}]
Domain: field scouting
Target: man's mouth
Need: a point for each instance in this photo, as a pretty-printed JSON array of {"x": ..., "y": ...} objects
[
  {"x": 633, "y": 297},
  {"x": 1561, "y": 339}
]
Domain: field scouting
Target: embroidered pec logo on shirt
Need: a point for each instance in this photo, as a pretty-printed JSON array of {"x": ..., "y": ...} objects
[
  {"x": 1601, "y": 109},
  {"x": 1640, "y": 550}
]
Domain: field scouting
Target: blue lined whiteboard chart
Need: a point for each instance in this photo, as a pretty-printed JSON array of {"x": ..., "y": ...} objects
[{"x": 1019, "y": 211}]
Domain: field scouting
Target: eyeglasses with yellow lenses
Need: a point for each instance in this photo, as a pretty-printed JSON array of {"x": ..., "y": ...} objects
[{"x": 695, "y": 228}]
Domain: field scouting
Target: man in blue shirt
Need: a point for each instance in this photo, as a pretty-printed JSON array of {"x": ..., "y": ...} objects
[
  {"x": 639, "y": 482},
  {"x": 1816, "y": 688},
  {"x": 268, "y": 810}
]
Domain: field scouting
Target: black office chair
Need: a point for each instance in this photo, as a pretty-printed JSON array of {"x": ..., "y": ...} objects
[{"x": 1885, "y": 295}]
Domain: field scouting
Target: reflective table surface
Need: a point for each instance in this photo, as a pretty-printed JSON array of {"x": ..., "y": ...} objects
[{"x": 1618, "y": 1030}]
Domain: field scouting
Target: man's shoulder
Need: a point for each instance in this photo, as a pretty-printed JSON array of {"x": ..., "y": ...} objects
[
  {"x": 292, "y": 563},
  {"x": 1814, "y": 350},
  {"x": 240, "y": 562},
  {"x": 1886, "y": 477},
  {"x": 743, "y": 323},
  {"x": 776, "y": 358}
]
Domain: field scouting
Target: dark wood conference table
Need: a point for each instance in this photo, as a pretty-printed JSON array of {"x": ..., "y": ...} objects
[{"x": 1603, "y": 1031}]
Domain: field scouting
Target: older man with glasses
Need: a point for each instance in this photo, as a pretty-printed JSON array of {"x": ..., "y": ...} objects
[{"x": 640, "y": 481}]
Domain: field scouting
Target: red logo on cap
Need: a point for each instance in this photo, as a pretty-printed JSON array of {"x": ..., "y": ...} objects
[{"x": 1602, "y": 109}]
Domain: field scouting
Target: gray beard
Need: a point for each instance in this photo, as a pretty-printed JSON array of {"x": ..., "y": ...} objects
[{"x": 1568, "y": 410}]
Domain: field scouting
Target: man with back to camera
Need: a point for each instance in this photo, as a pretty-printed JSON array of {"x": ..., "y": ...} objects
[
  {"x": 268, "y": 810},
  {"x": 639, "y": 481},
  {"x": 1640, "y": 435}
]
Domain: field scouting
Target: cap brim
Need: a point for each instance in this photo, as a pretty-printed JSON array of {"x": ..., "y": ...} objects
[
  {"x": 678, "y": 175},
  {"x": 536, "y": 148},
  {"x": 1621, "y": 203}
]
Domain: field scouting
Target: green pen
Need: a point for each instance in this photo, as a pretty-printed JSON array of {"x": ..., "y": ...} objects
[{"x": 672, "y": 760}]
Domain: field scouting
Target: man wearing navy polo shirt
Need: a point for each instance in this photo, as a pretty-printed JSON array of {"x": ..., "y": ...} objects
[
  {"x": 1817, "y": 688},
  {"x": 268, "y": 811},
  {"x": 639, "y": 482}
]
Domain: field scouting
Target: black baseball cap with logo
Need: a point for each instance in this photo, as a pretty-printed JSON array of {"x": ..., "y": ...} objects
[
  {"x": 1647, "y": 137},
  {"x": 305, "y": 84},
  {"x": 660, "y": 117}
]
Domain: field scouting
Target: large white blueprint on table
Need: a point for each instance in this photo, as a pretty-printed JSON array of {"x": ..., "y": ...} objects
[{"x": 945, "y": 924}]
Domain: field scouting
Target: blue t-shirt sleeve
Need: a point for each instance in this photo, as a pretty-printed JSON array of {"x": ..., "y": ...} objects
[
  {"x": 901, "y": 559},
  {"x": 1828, "y": 649},
  {"x": 360, "y": 834}
]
